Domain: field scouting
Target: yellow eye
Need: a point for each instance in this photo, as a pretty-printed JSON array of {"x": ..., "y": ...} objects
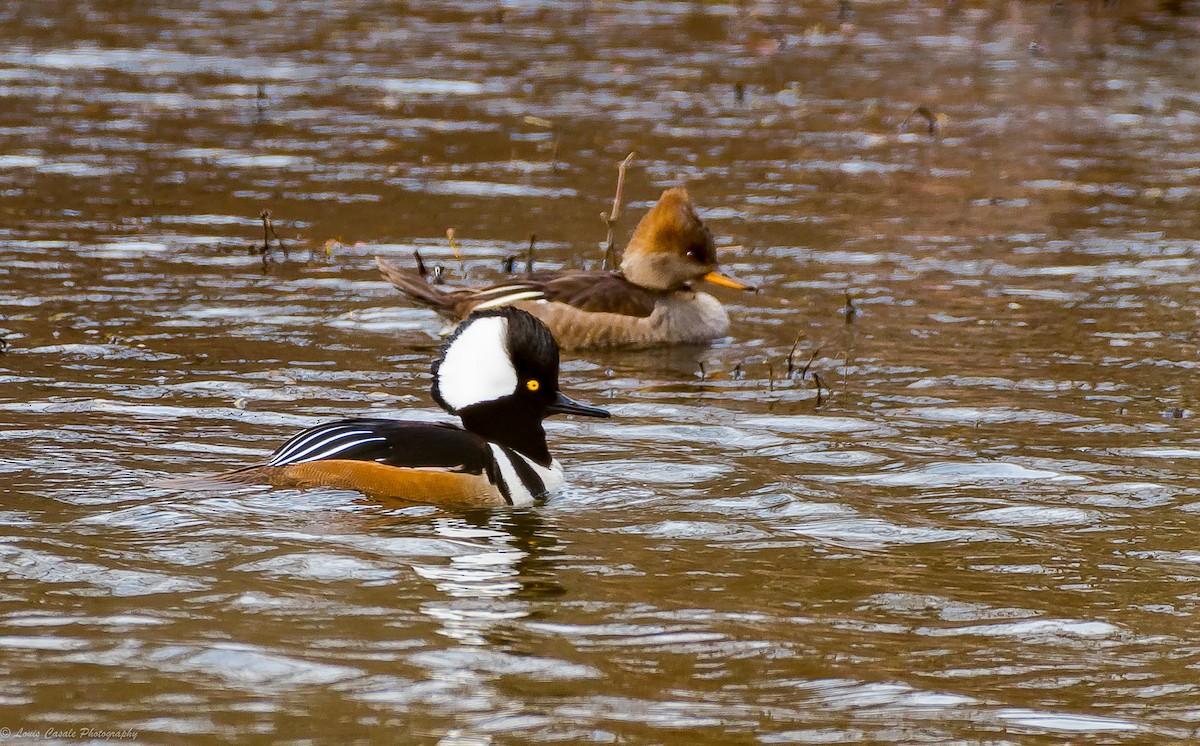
[{"x": 532, "y": 384}]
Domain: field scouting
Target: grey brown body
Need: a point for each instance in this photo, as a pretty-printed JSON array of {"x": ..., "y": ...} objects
[{"x": 681, "y": 317}]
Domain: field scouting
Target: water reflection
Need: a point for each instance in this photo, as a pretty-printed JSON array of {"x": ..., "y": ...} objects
[{"x": 506, "y": 559}]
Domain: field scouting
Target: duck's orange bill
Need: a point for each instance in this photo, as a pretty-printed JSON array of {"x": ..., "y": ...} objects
[{"x": 726, "y": 281}]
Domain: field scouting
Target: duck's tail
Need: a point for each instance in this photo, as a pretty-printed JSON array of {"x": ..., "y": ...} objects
[
  {"x": 414, "y": 287},
  {"x": 249, "y": 475}
]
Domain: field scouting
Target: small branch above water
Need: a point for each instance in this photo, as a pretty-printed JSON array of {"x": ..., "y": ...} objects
[{"x": 610, "y": 217}]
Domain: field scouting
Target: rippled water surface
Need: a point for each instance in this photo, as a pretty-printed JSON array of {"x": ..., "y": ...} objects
[{"x": 964, "y": 511}]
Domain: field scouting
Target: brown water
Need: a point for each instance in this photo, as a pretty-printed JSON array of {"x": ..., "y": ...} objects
[{"x": 979, "y": 527}]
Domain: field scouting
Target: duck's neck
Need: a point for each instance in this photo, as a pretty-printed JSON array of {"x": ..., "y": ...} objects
[
  {"x": 664, "y": 273},
  {"x": 513, "y": 426}
]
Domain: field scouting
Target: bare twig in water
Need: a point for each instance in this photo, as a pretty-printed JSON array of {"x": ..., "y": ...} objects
[
  {"x": 529, "y": 256},
  {"x": 811, "y": 358},
  {"x": 266, "y": 247},
  {"x": 737, "y": 371},
  {"x": 271, "y": 227},
  {"x": 851, "y": 334},
  {"x": 268, "y": 233},
  {"x": 770, "y": 377},
  {"x": 422, "y": 270},
  {"x": 703, "y": 375},
  {"x": 454, "y": 247},
  {"x": 610, "y": 217},
  {"x": 820, "y": 386},
  {"x": 792, "y": 353},
  {"x": 932, "y": 121}
]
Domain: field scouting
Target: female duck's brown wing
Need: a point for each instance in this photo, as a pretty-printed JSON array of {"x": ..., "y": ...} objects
[
  {"x": 413, "y": 461},
  {"x": 592, "y": 292}
]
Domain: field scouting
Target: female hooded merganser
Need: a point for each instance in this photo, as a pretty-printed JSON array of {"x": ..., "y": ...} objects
[
  {"x": 649, "y": 302},
  {"x": 499, "y": 374}
]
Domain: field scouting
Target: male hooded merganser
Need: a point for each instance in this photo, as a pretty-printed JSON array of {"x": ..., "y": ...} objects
[
  {"x": 499, "y": 374},
  {"x": 649, "y": 302}
]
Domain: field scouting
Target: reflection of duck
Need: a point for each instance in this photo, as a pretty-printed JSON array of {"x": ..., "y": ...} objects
[
  {"x": 499, "y": 374},
  {"x": 505, "y": 562},
  {"x": 529, "y": 535},
  {"x": 649, "y": 302}
]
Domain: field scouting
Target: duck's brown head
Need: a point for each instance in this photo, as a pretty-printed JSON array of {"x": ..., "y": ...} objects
[{"x": 671, "y": 248}]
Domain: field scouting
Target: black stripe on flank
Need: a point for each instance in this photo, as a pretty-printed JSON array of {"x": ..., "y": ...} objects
[
  {"x": 529, "y": 478},
  {"x": 496, "y": 477}
]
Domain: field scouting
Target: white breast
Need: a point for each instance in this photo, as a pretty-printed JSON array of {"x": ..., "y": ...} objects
[{"x": 698, "y": 318}]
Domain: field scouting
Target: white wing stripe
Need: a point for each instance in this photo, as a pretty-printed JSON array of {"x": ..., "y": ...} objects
[
  {"x": 305, "y": 438},
  {"x": 503, "y": 289},
  {"x": 324, "y": 444},
  {"x": 296, "y": 455},
  {"x": 505, "y": 300},
  {"x": 338, "y": 449}
]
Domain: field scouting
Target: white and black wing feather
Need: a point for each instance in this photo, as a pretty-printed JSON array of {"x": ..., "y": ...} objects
[
  {"x": 405, "y": 444},
  {"x": 344, "y": 440},
  {"x": 506, "y": 294},
  {"x": 593, "y": 292}
]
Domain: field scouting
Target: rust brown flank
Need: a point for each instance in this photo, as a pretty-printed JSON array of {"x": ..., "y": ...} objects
[{"x": 390, "y": 482}]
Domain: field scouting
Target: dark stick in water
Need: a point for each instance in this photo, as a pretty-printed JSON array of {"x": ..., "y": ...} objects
[
  {"x": 268, "y": 232},
  {"x": 813, "y": 356},
  {"x": 792, "y": 353},
  {"x": 931, "y": 120}
]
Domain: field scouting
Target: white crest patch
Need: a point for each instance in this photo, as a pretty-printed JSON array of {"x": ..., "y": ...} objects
[{"x": 477, "y": 367}]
